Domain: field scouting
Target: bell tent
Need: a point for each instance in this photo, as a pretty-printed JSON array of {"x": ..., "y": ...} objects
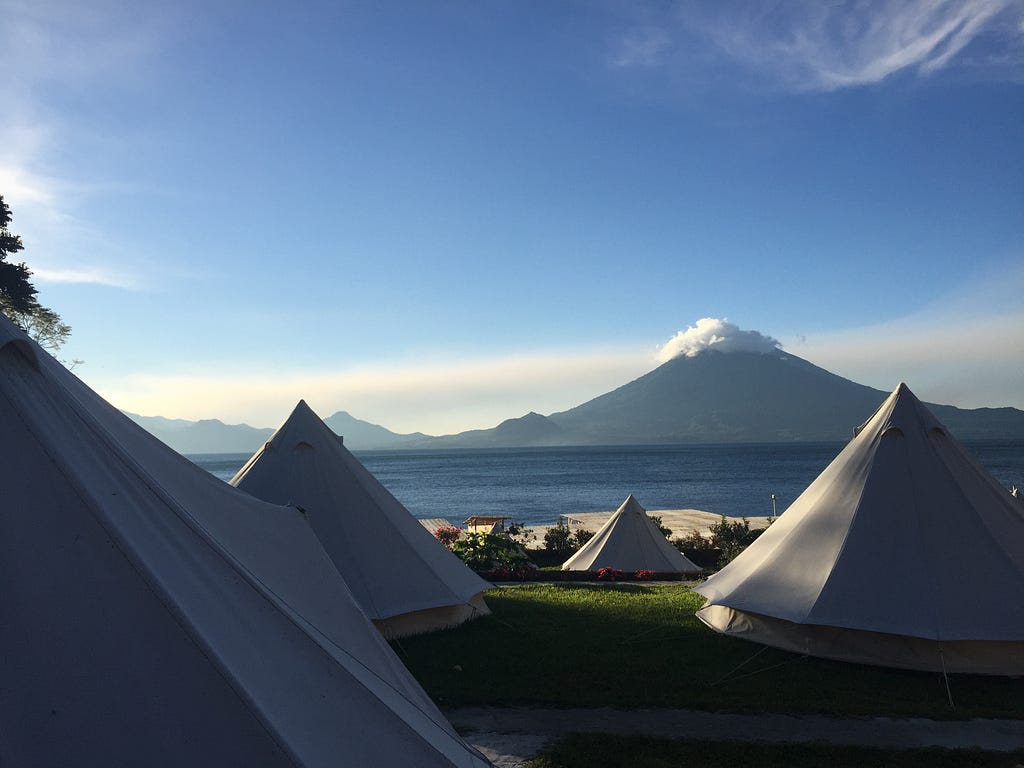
[
  {"x": 153, "y": 615},
  {"x": 403, "y": 578},
  {"x": 904, "y": 552},
  {"x": 630, "y": 541}
]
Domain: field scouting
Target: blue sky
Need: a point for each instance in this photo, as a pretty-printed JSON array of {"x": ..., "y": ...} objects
[{"x": 440, "y": 215}]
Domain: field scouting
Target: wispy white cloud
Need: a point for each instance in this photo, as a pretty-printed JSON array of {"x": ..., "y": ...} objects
[
  {"x": 53, "y": 46},
  {"x": 642, "y": 47},
  {"x": 79, "y": 44},
  {"x": 816, "y": 46},
  {"x": 95, "y": 276},
  {"x": 60, "y": 246},
  {"x": 437, "y": 398}
]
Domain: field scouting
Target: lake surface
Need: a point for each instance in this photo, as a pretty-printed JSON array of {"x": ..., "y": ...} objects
[{"x": 536, "y": 485}]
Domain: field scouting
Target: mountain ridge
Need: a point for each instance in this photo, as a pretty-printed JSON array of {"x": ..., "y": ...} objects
[{"x": 711, "y": 397}]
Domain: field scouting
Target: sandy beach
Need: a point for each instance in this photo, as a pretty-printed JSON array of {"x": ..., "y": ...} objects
[{"x": 681, "y": 521}]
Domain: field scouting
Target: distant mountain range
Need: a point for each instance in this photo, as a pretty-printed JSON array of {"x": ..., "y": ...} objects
[
  {"x": 214, "y": 436},
  {"x": 712, "y": 397}
]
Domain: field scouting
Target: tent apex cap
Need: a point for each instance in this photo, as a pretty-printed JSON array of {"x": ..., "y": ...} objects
[
  {"x": 631, "y": 505},
  {"x": 302, "y": 407}
]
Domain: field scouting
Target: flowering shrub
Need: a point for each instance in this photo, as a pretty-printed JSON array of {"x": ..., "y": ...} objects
[
  {"x": 644, "y": 575},
  {"x": 608, "y": 574},
  {"x": 490, "y": 551},
  {"x": 447, "y": 535}
]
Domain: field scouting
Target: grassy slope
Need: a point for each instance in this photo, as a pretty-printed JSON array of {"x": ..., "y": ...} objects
[{"x": 635, "y": 646}]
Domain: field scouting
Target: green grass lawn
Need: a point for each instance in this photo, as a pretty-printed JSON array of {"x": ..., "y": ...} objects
[
  {"x": 586, "y": 751},
  {"x": 632, "y": 646}
]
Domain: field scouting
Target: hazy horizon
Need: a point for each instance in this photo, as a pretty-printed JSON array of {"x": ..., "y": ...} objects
[{"x": 707, "y": 333}]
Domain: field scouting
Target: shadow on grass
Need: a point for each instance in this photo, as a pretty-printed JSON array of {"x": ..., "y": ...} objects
[
  {"x": 584, "y": 751},
  {"x": 633, "y": 646}
]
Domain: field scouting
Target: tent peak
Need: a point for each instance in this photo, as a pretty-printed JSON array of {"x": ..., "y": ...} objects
[
  {"x": 308, "y": 420},
  {"x": 302, "y": 407},
  {"x": 903, "y": 411},
  {"x": 632, "y": 505}
]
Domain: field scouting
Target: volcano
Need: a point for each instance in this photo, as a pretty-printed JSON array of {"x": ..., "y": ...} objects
[{"x": 750, "y": 397}]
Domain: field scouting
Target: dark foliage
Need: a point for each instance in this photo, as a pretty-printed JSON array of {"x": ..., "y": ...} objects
[
  {"x": 728, "y": 538},
  {"x": 18, "y": 295}
]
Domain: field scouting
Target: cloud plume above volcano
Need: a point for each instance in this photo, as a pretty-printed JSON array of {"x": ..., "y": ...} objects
[{"x": 712, "y": 333}]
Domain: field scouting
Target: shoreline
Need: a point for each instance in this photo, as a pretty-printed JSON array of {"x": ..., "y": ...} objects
[{"x": 681, "y": 521}]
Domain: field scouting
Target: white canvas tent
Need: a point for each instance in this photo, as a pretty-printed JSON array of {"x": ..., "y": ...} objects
[
  {"x": 405, "y": 580},
  {"x": 630, "y": 541},
  {"x": 152, "y": 615},
  {"x": 904, "y": 552}
]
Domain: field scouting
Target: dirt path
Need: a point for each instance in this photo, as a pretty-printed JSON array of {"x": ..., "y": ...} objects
[{"x": 510, "y": 736}]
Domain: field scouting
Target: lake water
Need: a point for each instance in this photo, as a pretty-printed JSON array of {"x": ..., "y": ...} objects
[{"x": 536, "y": 485}]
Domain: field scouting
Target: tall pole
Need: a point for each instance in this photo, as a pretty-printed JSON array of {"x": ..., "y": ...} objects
[{"x": 773, "y": 506}]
